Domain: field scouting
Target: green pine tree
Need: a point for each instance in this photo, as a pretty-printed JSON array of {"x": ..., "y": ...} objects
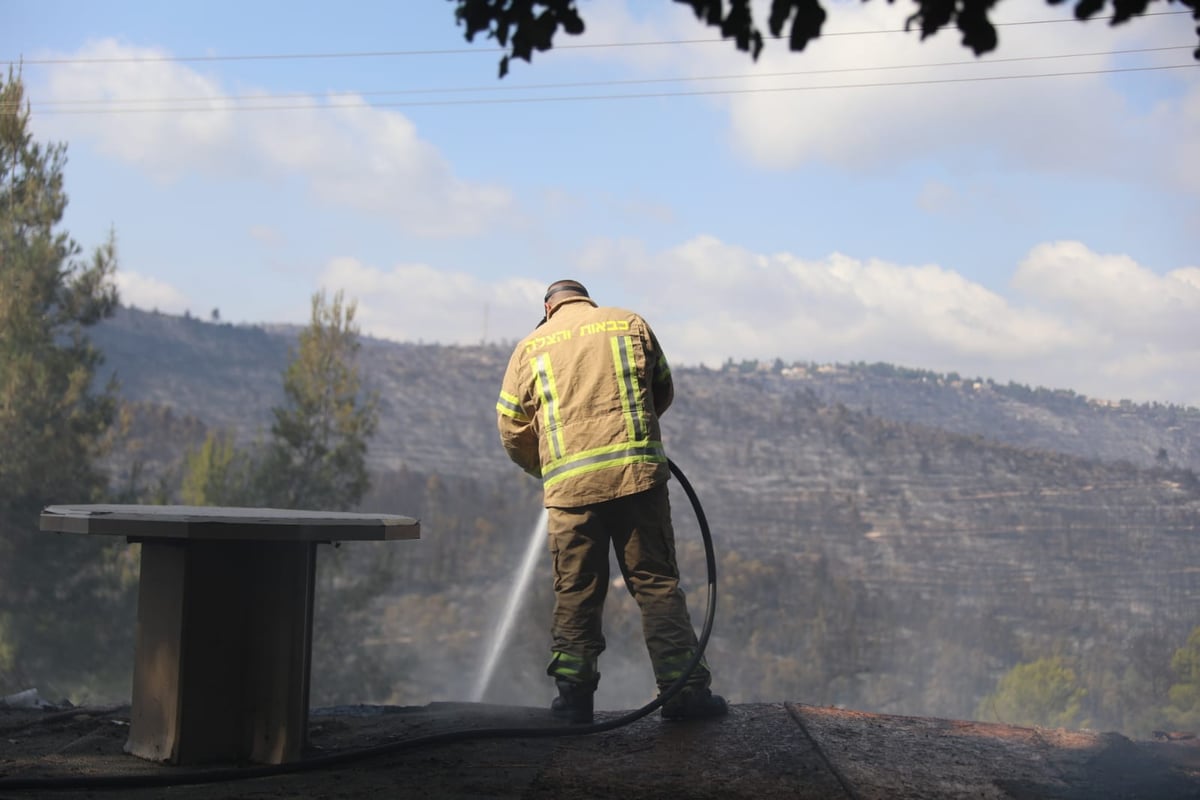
[
  {"x": 219, "y": 473},
  {"x": 1045, "y": 692},
  {"x": 1183, "y": 710},
  {"x": 316, "y": 457},
  {"x": 54, "y": 590}
]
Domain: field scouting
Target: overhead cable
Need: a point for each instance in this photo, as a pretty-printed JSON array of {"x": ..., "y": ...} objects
[
  {"x": 313, "y": 106},
  {"x": 514, "y": 87}
]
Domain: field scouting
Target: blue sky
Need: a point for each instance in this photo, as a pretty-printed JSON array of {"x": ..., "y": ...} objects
[{"x": 874, "y": 198}]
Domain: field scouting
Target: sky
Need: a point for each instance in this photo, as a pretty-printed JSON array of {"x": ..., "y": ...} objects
[{"x": 1032, "y": 215}]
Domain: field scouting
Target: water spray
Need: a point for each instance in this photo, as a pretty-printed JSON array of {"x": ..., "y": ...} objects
[{"x": 516, "y": 599}]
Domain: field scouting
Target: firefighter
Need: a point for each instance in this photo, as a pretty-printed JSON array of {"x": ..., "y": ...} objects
[{"x": 579, "y": 410}]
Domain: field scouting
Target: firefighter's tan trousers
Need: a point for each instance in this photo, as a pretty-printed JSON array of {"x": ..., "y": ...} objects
[{"x": 639, "y": 527}]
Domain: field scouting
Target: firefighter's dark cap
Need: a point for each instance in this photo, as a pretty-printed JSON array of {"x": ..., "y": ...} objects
[{"x": 574, "y": 287}]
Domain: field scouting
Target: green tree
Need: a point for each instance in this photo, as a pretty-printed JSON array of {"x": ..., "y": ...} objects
[
  {"x": 316, "y": 457},
  {"x": 219, "y": 473},
  {"x": 1128, "y": 686},
  {"x": 54, "y": 590},
  {"x": 1045, "y": 692},
  {"x": 524, "y": 26},
  {"x": 1183, "y": 710}
]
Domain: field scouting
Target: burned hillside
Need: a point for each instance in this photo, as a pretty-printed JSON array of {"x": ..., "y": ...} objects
[{"x": 868, "y": 557}]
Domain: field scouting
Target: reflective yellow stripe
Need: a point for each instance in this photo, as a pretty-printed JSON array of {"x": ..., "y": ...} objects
[
  {"x": 644, "y": 452},
  {"x": 510, "y": 406},
  {"x": 627, "y": 386},
  {"x": 565, "y": 665},
  {"x": 544, "y": 374},
  {"x": 668, "y": 670}
]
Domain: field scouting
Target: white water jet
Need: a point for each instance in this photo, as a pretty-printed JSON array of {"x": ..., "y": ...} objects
[{"x": 516, "y": 596}]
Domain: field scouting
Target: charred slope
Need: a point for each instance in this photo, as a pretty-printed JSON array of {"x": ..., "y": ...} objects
[
  {"x": 760, "y": 751},
  {"x": 868, "y": 561}
]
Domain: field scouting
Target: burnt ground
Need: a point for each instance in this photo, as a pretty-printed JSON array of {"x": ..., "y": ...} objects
[{"x": 764, "y": 750}]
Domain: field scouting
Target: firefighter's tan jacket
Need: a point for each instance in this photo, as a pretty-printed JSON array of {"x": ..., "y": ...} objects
[{"x": 580, "y": 404}]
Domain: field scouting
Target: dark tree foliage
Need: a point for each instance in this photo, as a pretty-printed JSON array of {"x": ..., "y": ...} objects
[{"x": 523, "y": 26}]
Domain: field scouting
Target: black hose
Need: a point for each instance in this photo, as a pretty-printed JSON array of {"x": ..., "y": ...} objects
[{"x": 103, "y": 782}]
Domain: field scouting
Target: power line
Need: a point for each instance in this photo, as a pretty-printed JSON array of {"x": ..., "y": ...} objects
[
  {"x": 631, "y": 96},
  {"x": 492, "y": 88},
  {"x": 484, "y": 49}
]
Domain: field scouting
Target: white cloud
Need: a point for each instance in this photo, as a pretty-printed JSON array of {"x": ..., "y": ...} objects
[
  {"x": 1188, "y": 275},
  {"x": 166, "y": 145},
  {"x": 415, "y": 302},
  {"x": 840, "y": 307},
  {"x": 346, "y": 153},
  {"x": 1100, "y": 324},
  {"x": 1124, "y": 302},
  {"x": 149, "y": 293},
  {"x": 864, "y": 101}
]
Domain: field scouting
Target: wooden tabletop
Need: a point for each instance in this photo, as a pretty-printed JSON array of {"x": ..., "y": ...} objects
[{"x": 226, "y": 523}]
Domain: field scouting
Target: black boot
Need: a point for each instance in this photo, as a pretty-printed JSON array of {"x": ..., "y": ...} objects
[
  {"x": 574, "y": 701},
  {"x": 695, "y": 703}
]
